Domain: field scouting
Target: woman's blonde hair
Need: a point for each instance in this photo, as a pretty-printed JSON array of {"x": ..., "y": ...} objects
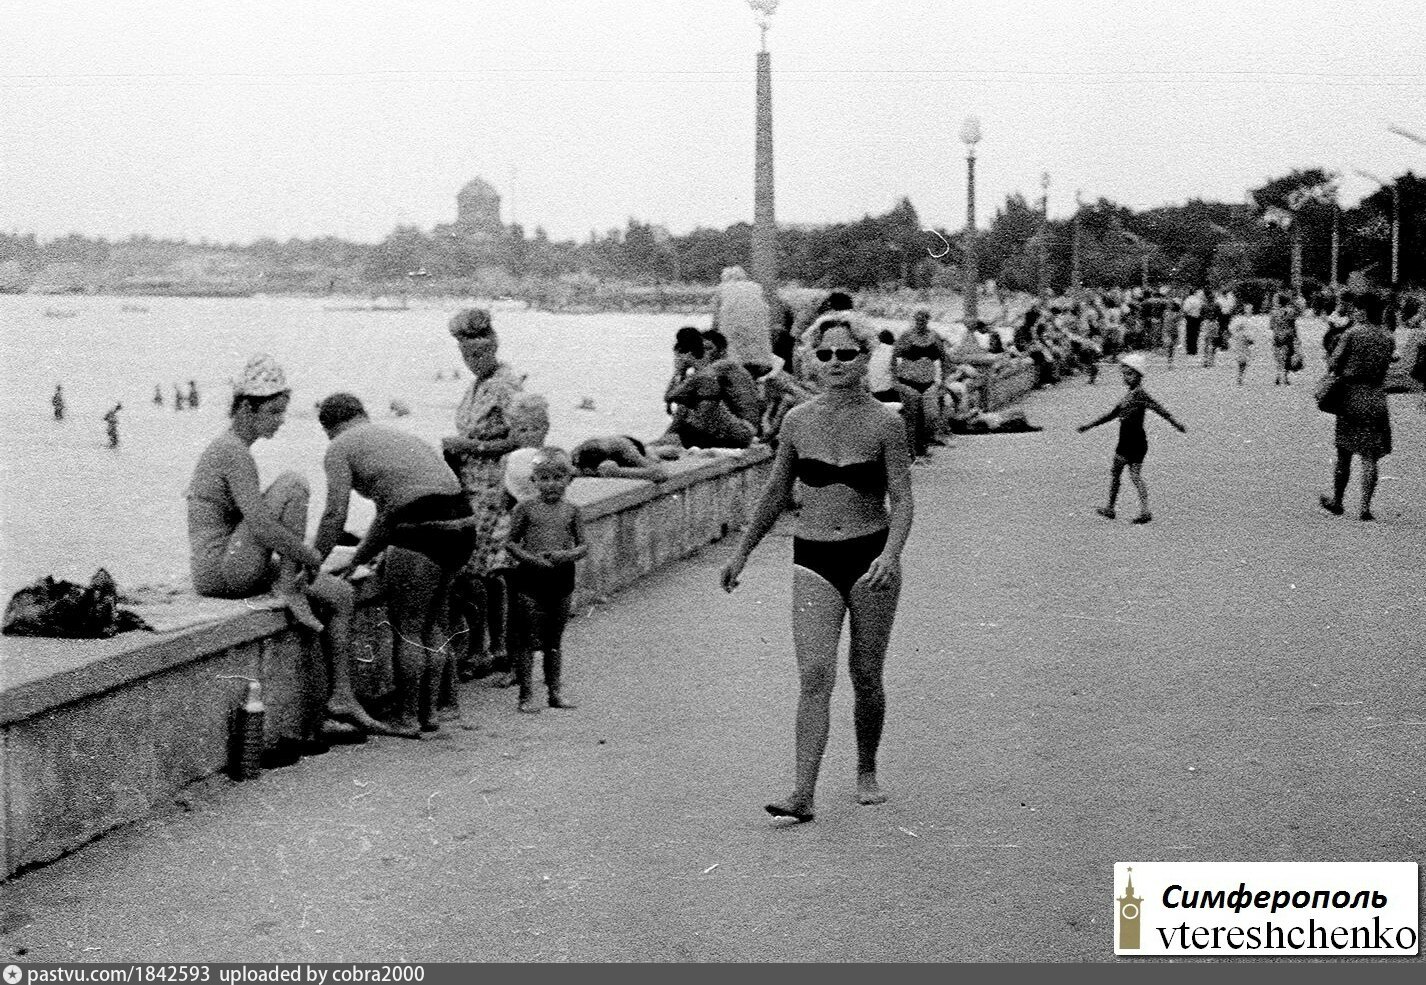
[{"x": 851, "y": 322}]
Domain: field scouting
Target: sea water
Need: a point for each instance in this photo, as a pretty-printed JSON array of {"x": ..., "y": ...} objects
[{"x": 70, "y": 504}]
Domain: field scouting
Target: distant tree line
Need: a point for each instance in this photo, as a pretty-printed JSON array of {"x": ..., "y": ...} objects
[{"x": 1199, "y": 242}]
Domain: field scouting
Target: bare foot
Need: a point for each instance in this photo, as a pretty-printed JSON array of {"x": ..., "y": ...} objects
[
  {"x": 348, "y": 710},
  {"x": 557, "y": 701},
  {"x": 868, "y": 790},
  {"x": 448, "y": 713},
  {"x": 301, "y": 610},
  {"x": 403, "y": 729},
  {"x": 1142, "y": 518},
  {"x": 1106, "y": 511},
  {"x": 529, "y": 707},
  {"x": 1330, "y": 505},
  {"x": 798, "y": 810}
]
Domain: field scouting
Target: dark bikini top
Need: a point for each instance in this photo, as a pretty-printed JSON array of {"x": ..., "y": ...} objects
[
  {"x": 867, "y": 478},
  {"x": 921, "y": 352}
]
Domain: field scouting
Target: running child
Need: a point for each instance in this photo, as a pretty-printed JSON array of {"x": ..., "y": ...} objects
[
  {"x": 546, "y": 539},
  {"x": 1241, "y": 341},
  {"x": 1133, "y": 443}
]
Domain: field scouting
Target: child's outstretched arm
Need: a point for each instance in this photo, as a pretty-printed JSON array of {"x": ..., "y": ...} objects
[
  {"x": 1162, "y": 411},
  {"x": 1113, "y": 413}
]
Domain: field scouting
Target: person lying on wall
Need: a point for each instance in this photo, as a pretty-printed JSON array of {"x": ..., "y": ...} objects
[{"x": 618, "y": 456}]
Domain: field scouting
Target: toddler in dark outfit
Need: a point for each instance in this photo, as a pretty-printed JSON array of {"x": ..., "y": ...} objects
[
  {"x": 546, "y": 539},
  {"x": 1133, "y": 443}
]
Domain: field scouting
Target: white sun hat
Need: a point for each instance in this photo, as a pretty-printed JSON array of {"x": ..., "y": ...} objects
[
  {"x": 261, "y": 377},
  {"x": 1137, "y": 362}
]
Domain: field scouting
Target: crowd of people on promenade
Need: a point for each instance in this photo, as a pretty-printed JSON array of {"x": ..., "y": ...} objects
[{"x": 477, "y": 544}]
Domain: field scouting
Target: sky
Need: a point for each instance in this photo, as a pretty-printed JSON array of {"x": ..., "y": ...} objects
[{"x": 236, "y": 119}]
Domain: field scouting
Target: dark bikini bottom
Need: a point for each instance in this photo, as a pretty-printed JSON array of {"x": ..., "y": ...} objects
[
  {"x": 840, "y": 562},
  {"x": 450, "y": 548}
]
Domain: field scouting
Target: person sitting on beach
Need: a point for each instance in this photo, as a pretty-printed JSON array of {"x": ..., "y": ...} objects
[
  {"x": 425, "y": 526},
  {"x": 618, "y": 456},
  {"x": 546, "y": 539},
  {"x": 702, "y": 417},
  {"x": 235, "y": 528},
  {"x": 738, "y": 386}
]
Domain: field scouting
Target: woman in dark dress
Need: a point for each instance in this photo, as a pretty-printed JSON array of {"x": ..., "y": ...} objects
[{"x": 1360, "y": 361}]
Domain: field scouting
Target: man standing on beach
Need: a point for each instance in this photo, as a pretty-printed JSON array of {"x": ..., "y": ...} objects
[{"x": 740, "y": 311}]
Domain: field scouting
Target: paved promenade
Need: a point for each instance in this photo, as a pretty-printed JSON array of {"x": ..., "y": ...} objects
[{"x": 1241, "y": 680}]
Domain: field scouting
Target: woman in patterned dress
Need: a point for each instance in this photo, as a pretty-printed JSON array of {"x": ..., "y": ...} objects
[{"x": 494, "y": 418}]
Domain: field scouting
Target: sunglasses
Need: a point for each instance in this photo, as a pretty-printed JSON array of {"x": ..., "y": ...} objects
[{"x": 843, "y": 355}]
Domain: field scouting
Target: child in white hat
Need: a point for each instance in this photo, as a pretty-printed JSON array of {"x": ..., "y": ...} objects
[{"x": 1133, "y": 443}]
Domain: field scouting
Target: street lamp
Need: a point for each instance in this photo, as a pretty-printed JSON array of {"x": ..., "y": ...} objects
[
  {"x": 1395, "y": 217},
  {"x": 970, "y": 136},
  {"x": 1076, "y": 281}
]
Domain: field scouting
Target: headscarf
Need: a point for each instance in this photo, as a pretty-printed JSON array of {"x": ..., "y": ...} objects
[{"x": 261, "y": 377}]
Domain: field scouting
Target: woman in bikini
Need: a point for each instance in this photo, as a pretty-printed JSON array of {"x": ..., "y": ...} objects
[
  {"x": 850, "y": 452},
  {"x": 918, "y": 361}
]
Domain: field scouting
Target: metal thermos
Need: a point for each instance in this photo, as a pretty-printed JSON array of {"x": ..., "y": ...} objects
[{"x": 247, "y": 735}]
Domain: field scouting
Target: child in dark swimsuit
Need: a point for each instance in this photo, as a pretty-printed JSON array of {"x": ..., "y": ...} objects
[
  {"x": 1133, "y": 443},
  {"x": 546, "y": 539}
]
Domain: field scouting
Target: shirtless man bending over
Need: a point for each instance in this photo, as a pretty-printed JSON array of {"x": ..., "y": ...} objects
[{"x": 424, "y": 524}]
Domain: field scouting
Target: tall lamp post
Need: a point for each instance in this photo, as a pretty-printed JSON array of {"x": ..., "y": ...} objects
[
  {"x": 970, "y": 136},
  {"x": 764, "y": 247},
  {"x": 1076, "y": 280},
  {"x": 1395, "y": 218}
]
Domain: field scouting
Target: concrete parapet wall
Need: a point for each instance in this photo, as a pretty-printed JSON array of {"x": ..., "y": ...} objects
[{"x": 97, "y": 733}]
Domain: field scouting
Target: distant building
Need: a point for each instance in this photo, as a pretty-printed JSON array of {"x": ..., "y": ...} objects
[{"x": 477, "y": 212}]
